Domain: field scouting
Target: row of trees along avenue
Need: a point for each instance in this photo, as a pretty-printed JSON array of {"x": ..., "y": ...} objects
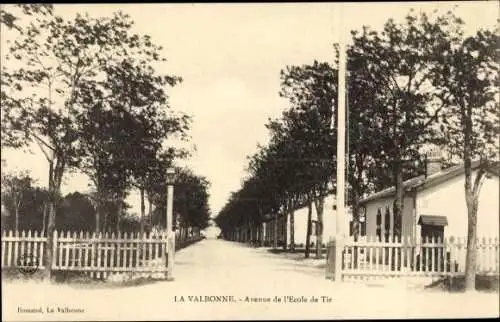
[
  {"x": 24, "y": 205},
  {"x": 416, "y": 82},
  {"x": 86, "y": 93}
]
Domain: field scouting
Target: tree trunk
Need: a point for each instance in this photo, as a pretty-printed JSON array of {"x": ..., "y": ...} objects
[
  {"x": 17, "y": 218},
  {"x": 284, "y": 227},
  {"x": 355, "y": 225},
  {"x": 105, "y": 223},
  {"x": 143, "y": 210},
  {"x": 249, "y": 232},
  {"x": 98, "y": 208},
  {"x": 275, "y": 230},
  {"x": 57, "y": 166},
  {"x": 150, "y": 211},
  {"x": 261, "y": 230},
  {"x": 256, "y": 234},
  {"x": 50, "y": 237},
  {"x": 399, "y": 202},
  {"x": 472, "y": 201},
  {"x": 119, "y": 213},
  {"x": 309, "y": 228},
  {"x": 357, "y": 183},
  {"x": 98, "y": 217},
  {"x": 471, "y": 255},
  {"x": 355, "y": 216},
  {"x": 292, "y": 228},
  {"x": 320, "y": 203},
  {"x": 44, "y": 219},
  {"x": 53, "y": 192}
]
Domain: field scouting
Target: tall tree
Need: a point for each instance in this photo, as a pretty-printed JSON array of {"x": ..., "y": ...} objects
[
  {"x": 398, "y": 64},
  {"x": 14, "y": 189},
  {"x": 104, "y": 135},
  {"x": 467, "y": 75},
  {"x": 309, "y": 228},
  {"x": 43, "y": 101},
  {"x": 75, "y": 213},
  {"x": 311, "y": 90},
  {"x": 30, "y": 210},
  {"x": 190, "y": 199},
  {"x": 128, "y": 119}
]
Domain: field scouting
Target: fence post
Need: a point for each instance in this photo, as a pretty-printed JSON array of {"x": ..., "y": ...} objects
[{"x": 170, "y": 246}]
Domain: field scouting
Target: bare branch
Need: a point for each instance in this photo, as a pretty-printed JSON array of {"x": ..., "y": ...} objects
[
  {"x": 41, "y": 143},
  {"x": 478, "y": 182}
]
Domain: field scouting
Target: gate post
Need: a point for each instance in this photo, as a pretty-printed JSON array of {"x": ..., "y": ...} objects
[
  {"x": 170, "y": 247},
  {"x": 334, "y": 259}
]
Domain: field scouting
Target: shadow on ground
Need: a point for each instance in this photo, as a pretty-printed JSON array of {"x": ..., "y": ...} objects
[
  {"x": 457, "y": 284},
  {"x": 297, "y": 255},
  {"x": 77, "y": 280},
  {"x": 295, "y": 251},
  {"x": 453, "y": 285}
]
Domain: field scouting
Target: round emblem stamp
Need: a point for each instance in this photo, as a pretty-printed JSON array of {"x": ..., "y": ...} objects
[{"x": 28, "y": 264}]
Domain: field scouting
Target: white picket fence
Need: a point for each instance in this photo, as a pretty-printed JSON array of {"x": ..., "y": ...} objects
[
  {"x": 97, "y": 254},
  {"x": 423, "y": 258}
]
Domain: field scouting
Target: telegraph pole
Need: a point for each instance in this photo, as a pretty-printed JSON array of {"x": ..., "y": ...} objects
[
  {"x": 341, "y": 146},
  {"x": 334, "y": 257}
]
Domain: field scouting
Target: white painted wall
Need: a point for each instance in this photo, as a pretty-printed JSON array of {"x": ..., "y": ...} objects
[
  {"x": 371, "y": 216},
  {"x": 328, "y": 222},
  {"x": 444, "y": 199},
  {"x": 300, "y": 224},
  {"x": 448, "y": 199}
]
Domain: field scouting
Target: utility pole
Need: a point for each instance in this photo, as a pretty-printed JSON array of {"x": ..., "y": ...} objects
[
  {"x": 334, "y": 255},
  {"x": 341, "y": 146}
]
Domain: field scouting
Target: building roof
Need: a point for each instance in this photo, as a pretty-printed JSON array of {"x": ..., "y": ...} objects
[
  {"x": 423, "y": 182},
  {"x": 433, "y": 220}
]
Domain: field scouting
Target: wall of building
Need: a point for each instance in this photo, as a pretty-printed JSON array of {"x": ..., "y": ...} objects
[
  {"x": 444, "y": 199},
  {"x": 328, "y": 222},
  {"x": 372, "y": 207},
  {"x": 448, "y": 199}
]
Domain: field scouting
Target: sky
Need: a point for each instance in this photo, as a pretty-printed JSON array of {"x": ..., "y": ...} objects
[{"x": 230, "y": 57}]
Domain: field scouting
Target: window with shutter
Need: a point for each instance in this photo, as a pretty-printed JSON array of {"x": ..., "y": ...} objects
[
  {"x": 362, "y": 221},
  {"x": 387, "y": 223},
  {"x": 379, "y": 223}
]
